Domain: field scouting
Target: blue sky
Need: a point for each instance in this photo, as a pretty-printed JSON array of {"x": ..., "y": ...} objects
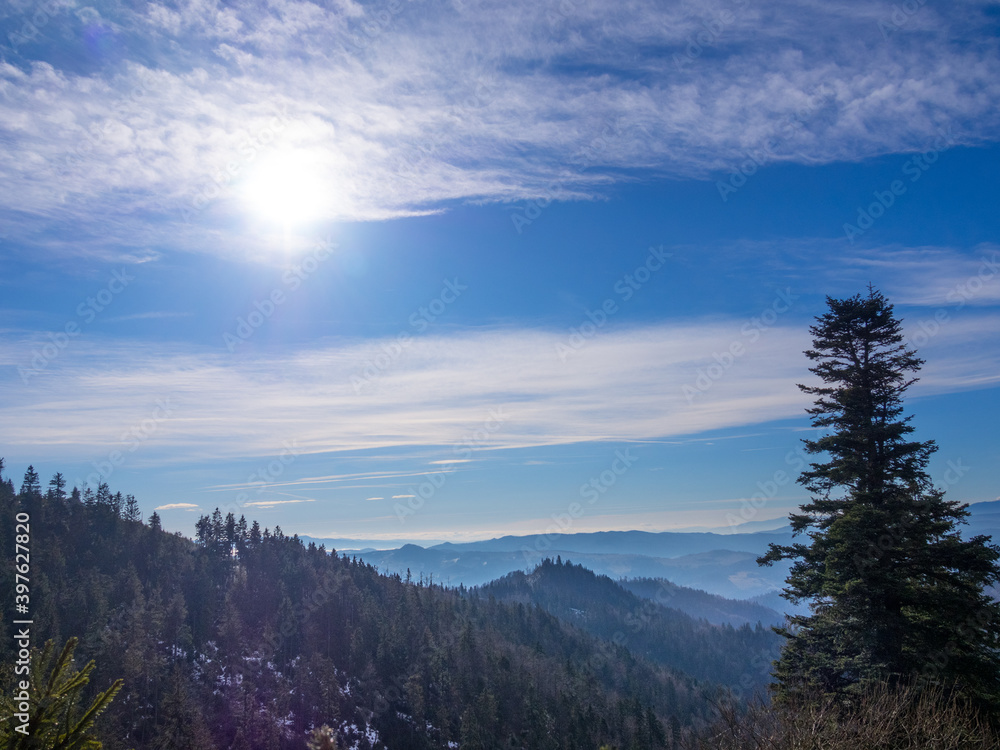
[{"x": 417, "y": 270}]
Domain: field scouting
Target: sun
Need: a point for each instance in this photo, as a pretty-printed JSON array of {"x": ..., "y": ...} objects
[{"x": 287, "y": 188}]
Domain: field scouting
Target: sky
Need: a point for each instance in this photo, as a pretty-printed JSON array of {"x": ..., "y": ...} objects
[{"x": 418, "y": 270}]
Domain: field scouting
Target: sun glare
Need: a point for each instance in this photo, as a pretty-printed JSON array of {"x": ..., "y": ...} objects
[{"x": 287, "y": 189}]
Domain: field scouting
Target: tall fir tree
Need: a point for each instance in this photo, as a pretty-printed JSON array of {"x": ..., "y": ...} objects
[
  {"x": 6, "y": 486},
  {"x": 181, "y": 722},
  {"x": 131, "y": 511},
  {"x": 31, "y": 487},
  {"x": 57, "y": 487},
  {"x": 896, "y": 594}
]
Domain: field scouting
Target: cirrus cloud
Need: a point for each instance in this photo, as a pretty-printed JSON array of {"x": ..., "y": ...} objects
[{"x": 403, "y": 108}]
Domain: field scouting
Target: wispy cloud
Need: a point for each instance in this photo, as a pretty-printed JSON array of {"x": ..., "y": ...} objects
[
  {"x": 177, "y": 506},
  {"x": 404, "y": 107},
  {"x": 935, "y": 276},
  {"x": 624, "y": 384},
  {"x": 325, "y": 481},
  {"x": 912, "y": 277},
  {"x": 150, "y": 316},
  {"x": 272, "y": 503}
]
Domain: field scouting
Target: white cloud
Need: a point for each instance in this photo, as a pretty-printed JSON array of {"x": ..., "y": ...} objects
[
  {"x": 402, "y": 110},
  {"x": 150, "y": 316},
  {"x": 936, "y": 276},
  {"x": 272, "y": 503},
  {"x": 323, "y": 482},
  {"x": 476, "y": 391},
  {"x": 177, "y": 506},
  {"x": 911, "y": 277}
]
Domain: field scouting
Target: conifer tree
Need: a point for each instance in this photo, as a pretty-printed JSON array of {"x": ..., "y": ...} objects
[
  {"x": 230, "y": 533},
  {"x": 31, "y": 487},
  {"x": 132, "y": 511},
  {"x": 181, "y": 723},
  {"x": 55, "y": 721},
  {"x": 241, "y": 535},
  {"x": 896, "y": 594},
  {"x": 57, "y": 487},
  {"x": 117, "y": 504},
  {"x": 104, "y": 498},
  {"x": 6, "y": 486}
]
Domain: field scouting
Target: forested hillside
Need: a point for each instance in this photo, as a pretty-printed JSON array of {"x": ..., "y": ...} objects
[
  {"x": 739, "y": 657},
  {"x": 702, "y": 605},
  {"x": 247, "y": 638}
]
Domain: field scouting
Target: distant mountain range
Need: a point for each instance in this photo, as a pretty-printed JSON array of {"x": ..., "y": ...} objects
[
  {"x": 729, "y": 573},
  {"x": 984, "y": 518},
  {"x": 665, "y": 544},
  {"x": 723, "y": 564},
  {"x": 720, "y": 564}
]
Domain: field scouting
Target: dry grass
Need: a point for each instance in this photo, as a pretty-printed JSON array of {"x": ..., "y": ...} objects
[{"x": 880, "y": 718}]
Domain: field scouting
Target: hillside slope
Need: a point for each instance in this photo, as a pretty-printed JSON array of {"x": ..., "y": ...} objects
[
  {"x": 247, "y": 639},
  {"x": 699, "y": 604},
  {"x": 739, "y": 658}
]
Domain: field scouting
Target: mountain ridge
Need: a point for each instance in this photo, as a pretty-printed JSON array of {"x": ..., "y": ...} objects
[{"x": 648, "y": 626}]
